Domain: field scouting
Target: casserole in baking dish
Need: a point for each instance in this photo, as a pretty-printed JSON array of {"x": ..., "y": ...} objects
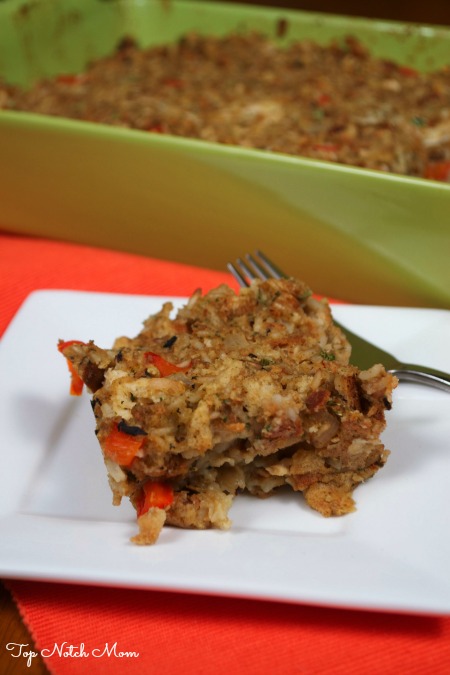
[{"x": 359, "y": 234}]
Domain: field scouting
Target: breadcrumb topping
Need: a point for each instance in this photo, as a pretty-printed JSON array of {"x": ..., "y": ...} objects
[{"x": 332, "y": 102}]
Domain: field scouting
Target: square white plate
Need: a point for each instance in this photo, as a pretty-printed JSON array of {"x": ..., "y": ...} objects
[{"x": 57, "y": 522}]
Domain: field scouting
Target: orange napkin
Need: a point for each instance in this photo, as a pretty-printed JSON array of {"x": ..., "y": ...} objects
[
  {"x": 102, "y": 630},
  {"x": 28, "y": 264},
  {"x": 195, "y": 635}
]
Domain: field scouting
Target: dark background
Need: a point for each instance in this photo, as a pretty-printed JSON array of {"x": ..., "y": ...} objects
[{"x": 423, "y": 11}]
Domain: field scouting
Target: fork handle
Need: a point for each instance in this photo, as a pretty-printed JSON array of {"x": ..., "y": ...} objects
[{"x": 422, "y": 375}]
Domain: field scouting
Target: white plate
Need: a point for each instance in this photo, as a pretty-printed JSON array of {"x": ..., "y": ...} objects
[{"x": 57, "y": 522}]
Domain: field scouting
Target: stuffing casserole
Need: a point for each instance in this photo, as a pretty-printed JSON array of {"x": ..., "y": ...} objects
[
  {"x": 236, "y": 392},
  {"x": 334, "y": 102}
]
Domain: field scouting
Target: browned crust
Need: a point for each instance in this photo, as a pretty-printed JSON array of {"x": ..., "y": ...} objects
[{"x": 335, "y": 102}]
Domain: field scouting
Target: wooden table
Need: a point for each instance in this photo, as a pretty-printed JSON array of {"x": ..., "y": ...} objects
[{"x": 12, "y": 629}]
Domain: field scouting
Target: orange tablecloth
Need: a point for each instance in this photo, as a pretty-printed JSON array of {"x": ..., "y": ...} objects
[{"x": 174, "y": 633}]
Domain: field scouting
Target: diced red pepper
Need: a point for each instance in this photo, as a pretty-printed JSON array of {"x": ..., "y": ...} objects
[
  {"x": 62, "y": 345},
  {"x": 165, "y": 368},
  {"x": 326, "y": 148},
  {"x": 438, "y": 171},
  {"x": 173, "y": 82},
  {"x": 76, "y": 383},
  {"x": 122, "y": 447},
  {"x": 407, "y": 71},
  {"x": 156, "y": 129},
  {"x": 69, "y": 78},
  {"x": 154, "y": 494},
  {"x": 323, "y": 100}
]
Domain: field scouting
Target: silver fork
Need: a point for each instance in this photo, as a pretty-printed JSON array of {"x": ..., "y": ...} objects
[{"x": 364, "y": 353}]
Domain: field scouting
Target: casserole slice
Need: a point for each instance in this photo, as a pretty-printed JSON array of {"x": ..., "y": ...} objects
[{"x": 235, "y": 392}]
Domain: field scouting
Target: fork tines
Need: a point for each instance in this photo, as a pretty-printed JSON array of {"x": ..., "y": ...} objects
[{"x": 256, "y": 266}]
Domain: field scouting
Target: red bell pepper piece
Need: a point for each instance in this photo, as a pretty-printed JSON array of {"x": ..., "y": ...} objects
[
  {"x": 71, "y": 78},
  {"x": 173, "y": 82},
  {"x": 323, "y": 100},
  {"x": 122, "y": 447},
  {"x": 165, "y": 368},
  {"x": 438, "y": 171},
  {"x": 156, "y": 129},
  {"x": 154, "y": 494},
  {"x": 407, "y": 71},
  {"x": 76, "y": 383},
  {"x": 329, "y": 150}
]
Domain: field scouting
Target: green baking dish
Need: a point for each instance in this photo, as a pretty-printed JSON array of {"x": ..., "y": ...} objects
[{"x": 360, "y": 235}]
